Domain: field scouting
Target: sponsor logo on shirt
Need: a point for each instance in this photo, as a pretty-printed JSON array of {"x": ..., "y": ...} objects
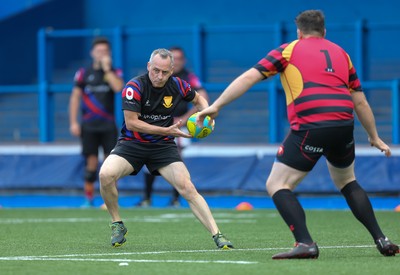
[{"x": 155, "y": 117}]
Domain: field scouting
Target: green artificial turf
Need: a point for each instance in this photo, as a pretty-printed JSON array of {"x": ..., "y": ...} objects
[{"x": 172, "y": 241}]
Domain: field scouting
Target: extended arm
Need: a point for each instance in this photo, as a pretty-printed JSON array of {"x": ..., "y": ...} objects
[
  {"x": 367, "y": 119},
  {"x": 237, "y": 88},
  {"x": 74, "y": 104}
]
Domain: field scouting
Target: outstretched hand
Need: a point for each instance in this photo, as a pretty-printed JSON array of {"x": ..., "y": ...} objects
[
  {"x": 174, "y": 130},
  {"x": 210, "y": 111},
  {"x": 378, "y": 143}
]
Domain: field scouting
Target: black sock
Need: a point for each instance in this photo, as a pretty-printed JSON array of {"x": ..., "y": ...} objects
[
  {"x": 361, "y": 207},
  {"x": 149, "y": 180},
  {"x": 293, "y": 214}
]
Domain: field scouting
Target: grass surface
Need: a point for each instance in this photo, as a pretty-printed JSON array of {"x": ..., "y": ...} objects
[{"x": 172, "y": 241}]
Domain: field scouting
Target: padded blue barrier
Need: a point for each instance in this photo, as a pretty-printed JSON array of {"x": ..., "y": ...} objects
[
  {"x": 215, "y": 172},
  {"x": 41, "y": 171},
  {"x": 374, "y": 173}
]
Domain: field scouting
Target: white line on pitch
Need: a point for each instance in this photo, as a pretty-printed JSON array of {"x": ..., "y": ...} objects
[
  {"x": 200, "y": 251},
  {"x": 71, "y": 257},
  {"x": 221, "y": 217},
  {"x": 34, "y": 258}
]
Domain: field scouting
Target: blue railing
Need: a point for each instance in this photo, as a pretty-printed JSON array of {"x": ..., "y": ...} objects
[{"x": 46, "y": 90}]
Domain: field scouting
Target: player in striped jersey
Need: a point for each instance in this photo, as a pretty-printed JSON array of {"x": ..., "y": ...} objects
[{"x": 322, "y": 91}]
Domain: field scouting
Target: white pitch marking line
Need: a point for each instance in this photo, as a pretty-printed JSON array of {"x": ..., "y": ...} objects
[
  {"x": 33, "y": 258},
  {"x": 49, "y": 220},
  {"x": 143, "y": 220},
  {"x": 71, "y": 257},
  {"x": 200, "y": 251},
  {"x": 221, "y": 217}
]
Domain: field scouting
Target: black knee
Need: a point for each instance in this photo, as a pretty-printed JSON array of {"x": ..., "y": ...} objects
[{"x": 90, "y": 176}]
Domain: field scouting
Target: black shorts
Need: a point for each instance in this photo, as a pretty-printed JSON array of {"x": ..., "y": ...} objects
[
  {"x": 153, "y": 155},
  {"x": 302, "y": 149},
  {"x": 92, "y": 140}
]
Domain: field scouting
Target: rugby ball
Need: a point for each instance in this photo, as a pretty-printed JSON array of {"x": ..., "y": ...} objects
[{"x": 199, "y": 132}]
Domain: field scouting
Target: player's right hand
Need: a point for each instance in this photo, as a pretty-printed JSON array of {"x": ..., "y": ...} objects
[
  {"x": 75, "y": 129},
  {"x": 174, "y": 130}
]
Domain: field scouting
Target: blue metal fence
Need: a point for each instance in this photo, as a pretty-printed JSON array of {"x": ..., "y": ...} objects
[{"x": 46, "y": 90}]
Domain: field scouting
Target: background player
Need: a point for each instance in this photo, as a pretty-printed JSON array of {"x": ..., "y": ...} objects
[{"x": 93, "y": 97}]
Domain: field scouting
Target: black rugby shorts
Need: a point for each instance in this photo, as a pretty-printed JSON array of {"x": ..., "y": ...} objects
[
  {"x": 153, "y": 155},
  {"x": 302, "y": 149},
  {"x": 92, "y": 140}
]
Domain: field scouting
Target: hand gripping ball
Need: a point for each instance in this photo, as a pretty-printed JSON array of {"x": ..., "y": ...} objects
[{"x": 199, "y": 132}]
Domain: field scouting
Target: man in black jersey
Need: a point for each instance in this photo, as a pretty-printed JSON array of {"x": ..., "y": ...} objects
[
  {"x": 93, "y": 95},
  {"x": 182, "y": 112},
  {"x": 147, "y": 138}
]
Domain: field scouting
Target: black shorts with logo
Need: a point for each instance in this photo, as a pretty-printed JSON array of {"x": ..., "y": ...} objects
[
  {"x": 302, "y": 149},
  {"x": 92, "y": 140},
  {"x": 153, "y": 155}
]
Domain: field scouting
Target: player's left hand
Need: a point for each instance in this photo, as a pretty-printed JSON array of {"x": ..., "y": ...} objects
[
  {"x": 174, "y": 130},
  {"x": 180, "y": 118},
  {"x": 378, "y": 143}
]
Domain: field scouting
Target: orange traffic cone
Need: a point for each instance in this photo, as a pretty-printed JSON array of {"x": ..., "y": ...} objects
[
  {"x": 244, "y": 206},
  {"x": 397, "y": 208}
]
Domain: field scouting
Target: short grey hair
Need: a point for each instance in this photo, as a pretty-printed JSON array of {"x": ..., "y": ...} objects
[{"x": 163, "y": 53}]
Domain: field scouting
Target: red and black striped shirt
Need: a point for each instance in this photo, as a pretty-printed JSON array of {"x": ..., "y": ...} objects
[{"x": 318, "y": 78}]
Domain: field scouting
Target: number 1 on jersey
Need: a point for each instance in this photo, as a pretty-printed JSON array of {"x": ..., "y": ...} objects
[{"x": 328, "y": 61}]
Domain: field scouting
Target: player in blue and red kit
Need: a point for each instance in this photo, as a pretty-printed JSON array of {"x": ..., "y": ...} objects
[
  {"x": 93, "y": 97},
  {"x": 322, "y": 90},
  {"x": 147, "y": 138},
  {"x": 182, "y": 112}
]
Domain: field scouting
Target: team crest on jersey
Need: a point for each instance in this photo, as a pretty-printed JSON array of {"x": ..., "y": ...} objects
[
  {"x": 129, "y": 93},
  {"x": 167, "y": 101}
]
